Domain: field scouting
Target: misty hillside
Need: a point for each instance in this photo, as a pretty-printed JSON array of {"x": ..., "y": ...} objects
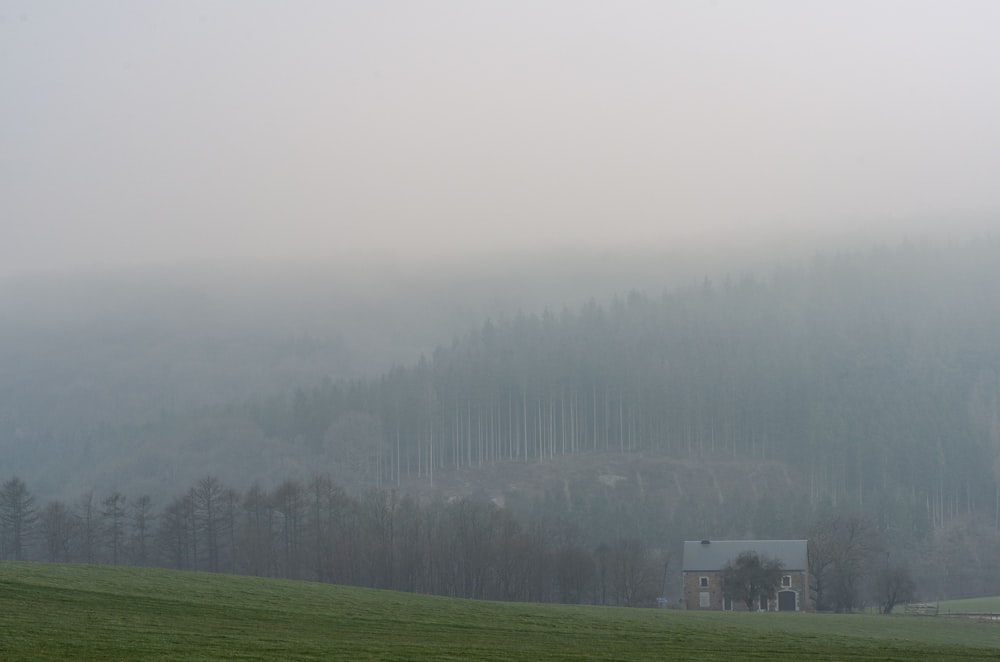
[
  {"x": 851, "y": 367},
  {"x": 660, "y": 271},
  {"x": 99, "y": 348},
  {"x": 729, "y": 406},
  {"x": 873, "y": 373}
]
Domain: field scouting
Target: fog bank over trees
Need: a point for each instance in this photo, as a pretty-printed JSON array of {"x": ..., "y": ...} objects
[
  {"x": 85, "y": 347},
  {"x": 660, "y": 270},
  {"x": 741, "y": 402}
]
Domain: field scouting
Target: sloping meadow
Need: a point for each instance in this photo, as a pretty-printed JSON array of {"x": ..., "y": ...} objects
[{"x": 50, "y": 612}]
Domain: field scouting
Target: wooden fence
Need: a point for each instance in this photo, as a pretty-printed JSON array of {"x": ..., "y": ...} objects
[{"x": 922, "y": 609}]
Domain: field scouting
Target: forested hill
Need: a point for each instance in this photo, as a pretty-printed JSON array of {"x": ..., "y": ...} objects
[
  {"x": 872, "y": 374},
  {"x": 871, "y": 379}
]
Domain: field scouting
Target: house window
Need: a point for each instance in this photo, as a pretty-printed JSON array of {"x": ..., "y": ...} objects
[
  {"x": 703, "y": 582},
  {"x": 703, "y": 599},
  {"x": 786, "y": 581}
]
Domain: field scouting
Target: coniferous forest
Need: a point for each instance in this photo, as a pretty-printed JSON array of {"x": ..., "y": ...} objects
[
  {"x": 873, "y": 377},
  {"x": 741, "y": 405}
]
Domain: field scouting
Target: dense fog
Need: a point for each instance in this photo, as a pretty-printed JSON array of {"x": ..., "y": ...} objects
[
  {"x": 279, "y": 282},
  {"x": 854, "y": 383}
]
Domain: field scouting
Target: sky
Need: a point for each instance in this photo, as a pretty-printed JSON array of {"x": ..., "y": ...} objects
[{"x": 155, "y": 132}]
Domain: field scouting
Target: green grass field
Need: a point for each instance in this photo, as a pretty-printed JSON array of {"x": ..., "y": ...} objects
[
  {"x": 68, "y": 612},
  {"x": 971, "y": 605}
]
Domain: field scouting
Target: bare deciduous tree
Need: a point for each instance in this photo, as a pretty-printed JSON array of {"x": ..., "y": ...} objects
[
  {"x": 751, "y": 576},
  {"x": 257, "y": 537},
  {"x": 842, "y": 550},
  {"x": 86, "y": 528},
  {"x": 17, "y": 516},
  {"x": 574, "y": 574},
  {"x": 895, "y": 585},
  {"x": 175, "y": 534},
  {"x": 56, "y": 525},
  {"x": 113, "y": 516},
  {"x": 142, "y": 519},
  {"x": 290, "y": 506},
  {"x": 209, "y": 516},
  {"x": 628, "y": 573}
]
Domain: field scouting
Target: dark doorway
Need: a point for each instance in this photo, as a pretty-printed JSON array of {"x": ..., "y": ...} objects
[{"x": 786, "y": 601}]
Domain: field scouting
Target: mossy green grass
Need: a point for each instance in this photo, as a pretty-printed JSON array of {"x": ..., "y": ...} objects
[
  {"x": 970, "y": 605},
  {"x": 76, "y": 612}
]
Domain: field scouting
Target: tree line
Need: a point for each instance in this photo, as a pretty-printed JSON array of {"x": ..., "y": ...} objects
[{"x": 468, "y": 547}]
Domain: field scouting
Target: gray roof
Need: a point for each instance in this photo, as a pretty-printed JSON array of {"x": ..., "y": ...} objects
[{"x": 708, "y": 556}]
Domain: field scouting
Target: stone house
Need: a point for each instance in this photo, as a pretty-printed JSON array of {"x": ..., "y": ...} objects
[{"x": 704, "y": 561}]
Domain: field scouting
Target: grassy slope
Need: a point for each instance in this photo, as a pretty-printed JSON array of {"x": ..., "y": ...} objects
[
  {"x": 80, "y": 612},
  {"x": 971, "y": 605}
]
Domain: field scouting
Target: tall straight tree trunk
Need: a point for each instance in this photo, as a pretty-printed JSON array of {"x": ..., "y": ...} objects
[
  {"x": 593, "y": 408},
  {"x": 524, "y": 409}
]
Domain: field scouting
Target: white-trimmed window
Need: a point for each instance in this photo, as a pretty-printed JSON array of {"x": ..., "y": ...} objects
[
  {"x": 703, "y": 582},
  {"x": 786, "y": 581}
]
